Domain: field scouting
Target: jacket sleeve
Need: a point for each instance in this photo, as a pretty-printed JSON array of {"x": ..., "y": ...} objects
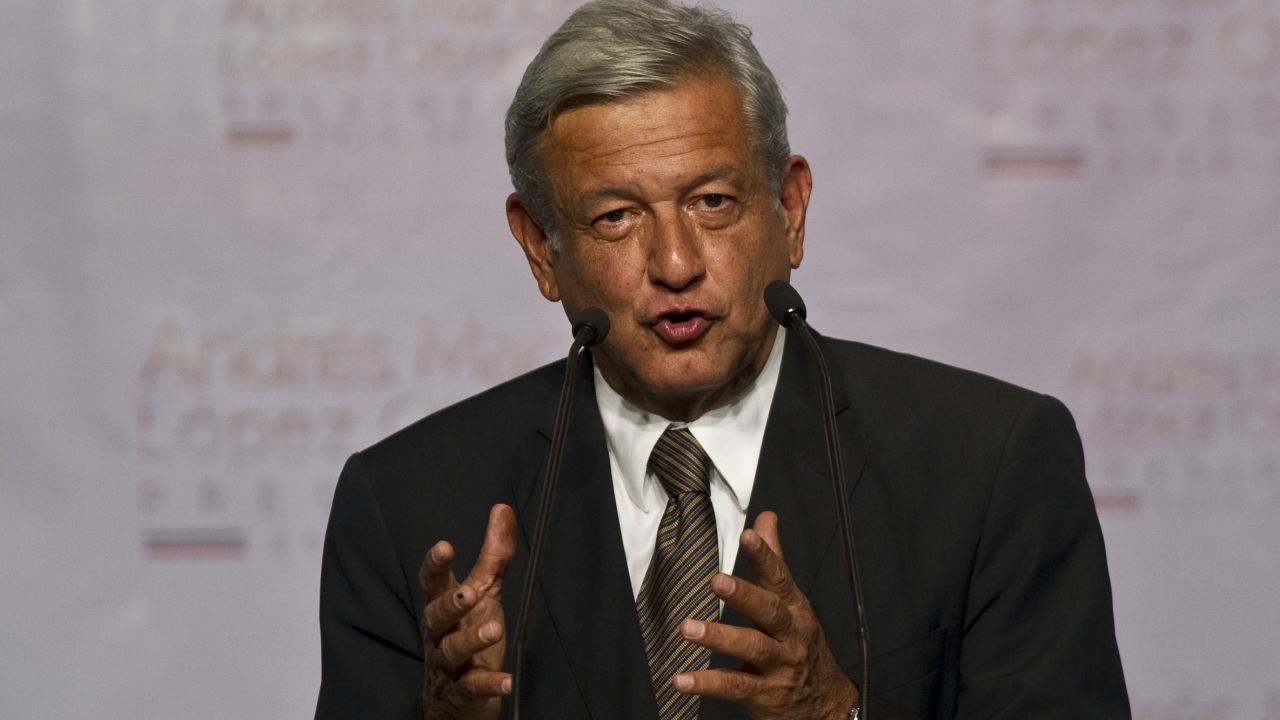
[
  {"x": 1039, "y": 635},
  {"x": 370, "y": 646}
]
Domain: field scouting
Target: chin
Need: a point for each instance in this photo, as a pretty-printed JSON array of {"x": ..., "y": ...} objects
[{"x": 687, "y": 384}]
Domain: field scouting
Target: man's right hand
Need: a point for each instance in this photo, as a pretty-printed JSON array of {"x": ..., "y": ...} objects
[{"x": 463, "y": 631}]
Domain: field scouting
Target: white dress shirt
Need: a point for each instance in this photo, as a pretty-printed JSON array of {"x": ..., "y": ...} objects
[{"x": 732, "y": 436}]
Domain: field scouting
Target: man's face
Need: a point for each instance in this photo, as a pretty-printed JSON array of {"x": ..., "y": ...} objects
[{"x": 665, "y": 220}]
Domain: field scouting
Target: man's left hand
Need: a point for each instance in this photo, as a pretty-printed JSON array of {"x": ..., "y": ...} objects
[{"x": 788, "y": 671}]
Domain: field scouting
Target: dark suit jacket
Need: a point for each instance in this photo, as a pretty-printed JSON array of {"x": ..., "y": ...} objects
[{"x": 982, "y": 561}]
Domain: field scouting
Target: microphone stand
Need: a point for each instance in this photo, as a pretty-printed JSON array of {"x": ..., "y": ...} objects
[
  {"x": 788, "y": 309},
  {"x": 589, "y": 328}
]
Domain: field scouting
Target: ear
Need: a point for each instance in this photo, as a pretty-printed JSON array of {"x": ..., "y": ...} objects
[
  {"x": 797, "y": 184},
  {"x": 536, "y": 245}
]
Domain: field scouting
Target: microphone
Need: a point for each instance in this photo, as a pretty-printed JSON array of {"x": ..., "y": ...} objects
[
  {"x": 788, "y": 309},
  {"x": 590, "y": 327},
  {"x": 783, "y": 302}
]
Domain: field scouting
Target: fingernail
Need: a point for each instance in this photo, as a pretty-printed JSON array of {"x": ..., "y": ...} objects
[
  {"x": 435, "y": 553},
  {"x": 489, "y": 632},
  {"x": 723, "y": 584},
  {"x": 460, "y": 599},
  {"x": 693, "y": 629},
  {"x": 682, "y": 682},
  {"x": 506, "y": 686}
]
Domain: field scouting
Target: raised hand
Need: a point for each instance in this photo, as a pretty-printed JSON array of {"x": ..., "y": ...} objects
[
  {"x": 463, "y": 630},
  {"x": 789, "y": 672}
]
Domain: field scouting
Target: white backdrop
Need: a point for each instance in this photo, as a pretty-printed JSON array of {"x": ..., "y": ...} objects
[{"x": 243, "y": 238}]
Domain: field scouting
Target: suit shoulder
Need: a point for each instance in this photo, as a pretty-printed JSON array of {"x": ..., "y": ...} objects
[
  {"x": 904, "y": 396},
  {"x": 486, "y": 417},
  {"x": 881, "y": 371}
]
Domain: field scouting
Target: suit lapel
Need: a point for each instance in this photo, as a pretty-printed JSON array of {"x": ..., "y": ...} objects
[{"x": 585, "y": 585}]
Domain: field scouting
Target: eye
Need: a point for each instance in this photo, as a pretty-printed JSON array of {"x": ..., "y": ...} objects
[
  {"x": 615, "y": 224},
  {"x": 714, "y": 201},
  {"x": 613, "y": 217},
  {"x": 716, "y": 210}
]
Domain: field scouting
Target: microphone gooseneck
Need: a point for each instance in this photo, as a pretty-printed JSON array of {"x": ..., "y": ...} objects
[
  {"x": 590, "y": 327},
  {"x": 786, "y": 306}
]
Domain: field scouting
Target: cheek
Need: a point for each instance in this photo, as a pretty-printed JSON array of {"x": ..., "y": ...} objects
[
  {"x": 612, "y": 275},
  {"x": 744, "y": 265}
]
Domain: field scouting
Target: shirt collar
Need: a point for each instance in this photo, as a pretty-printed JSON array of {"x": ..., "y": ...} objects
[{"x": 732, "y": 434}]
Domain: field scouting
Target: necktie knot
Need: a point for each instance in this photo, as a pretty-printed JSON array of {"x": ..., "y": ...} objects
[{"x": 680, "y": 463}]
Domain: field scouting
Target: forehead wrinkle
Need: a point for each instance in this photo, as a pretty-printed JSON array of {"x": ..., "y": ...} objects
[{"x": 700, "y": 142}]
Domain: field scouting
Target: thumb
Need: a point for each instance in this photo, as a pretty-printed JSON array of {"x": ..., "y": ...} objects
[
  {"x": 498, "y": 549},
  {"x": 766, "y": 526}
]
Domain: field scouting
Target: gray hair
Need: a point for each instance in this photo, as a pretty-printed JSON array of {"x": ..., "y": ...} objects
[{"x": 612, "y": 49}]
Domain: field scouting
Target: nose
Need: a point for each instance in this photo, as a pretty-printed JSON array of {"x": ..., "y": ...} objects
[{"x": 675, "y": 253}]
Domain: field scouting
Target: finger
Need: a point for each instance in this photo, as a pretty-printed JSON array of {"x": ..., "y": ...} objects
[
  {"x": 458, "y": 647},
  {"x": 436, "y": 573},
  {"x": 771, "y": 570},
  {"x": 766, "y": 609},
  {"x": 747, "y": 644},
  {"x": 482, "y": 684},
  {"x": 733, "y": 685},
  {"x": 496, "y": 553},
  {"x": 441, "y": 614}
]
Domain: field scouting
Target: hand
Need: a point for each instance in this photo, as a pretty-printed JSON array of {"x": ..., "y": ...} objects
[
  {"x": 463, "y": 631},
  {"x": 789, "y": 671}
]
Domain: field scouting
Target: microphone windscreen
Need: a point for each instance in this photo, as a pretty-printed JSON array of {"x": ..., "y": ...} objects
[
  {"x": 783, "y": 301},
  {"x": 595, "y": 321}
]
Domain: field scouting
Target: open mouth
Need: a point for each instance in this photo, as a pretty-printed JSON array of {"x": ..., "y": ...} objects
[{"x": 681, "y": 328}]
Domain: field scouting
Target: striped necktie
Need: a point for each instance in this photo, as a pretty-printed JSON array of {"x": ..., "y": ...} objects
[{"x": 677, "y": 585}]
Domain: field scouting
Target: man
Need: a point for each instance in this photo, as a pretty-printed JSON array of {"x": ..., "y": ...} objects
[{"x": 653, "y": 179}]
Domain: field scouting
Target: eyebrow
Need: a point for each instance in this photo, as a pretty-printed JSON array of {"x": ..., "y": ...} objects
[{"x": 719, "y": 172}]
